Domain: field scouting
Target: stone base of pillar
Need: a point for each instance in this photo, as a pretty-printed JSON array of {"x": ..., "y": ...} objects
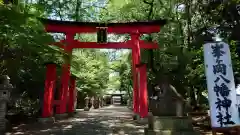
[
  {"x": 71, "y": 114},
  {"x": 149, "y": 132},
  {"x": 3, "y": 127},
  {"x": 142, "y": 120},
  {"x": 2, "y": 132},
  {"x": 168, "y": 132},
  {"x": 86, "y": 109},
  {"x": 170, "y": 125},
  {"x": 46, "y": 120},
  {"x": 135, "y": 116},
  {"x": 61, "y": 116}
]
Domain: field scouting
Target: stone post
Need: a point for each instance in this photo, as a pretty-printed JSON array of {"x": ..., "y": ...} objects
[
  {"x": 5, "y": 89},
  {"x": 179, "y": 109},
  {"x": 92, "y": 102},
  {"x": 96, "y": 102},
  {"x": 72, "y": 97},
  {"x": 129, "y": 103},
  {"x": 103, "y": 101},
  {"x": 76, "y": 97},
  {"x": 99, "y": 102},
  {"x": 86, "y": 108}
]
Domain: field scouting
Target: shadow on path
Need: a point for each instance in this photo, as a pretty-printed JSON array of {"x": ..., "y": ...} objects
[{"x": 112, "y": 120}]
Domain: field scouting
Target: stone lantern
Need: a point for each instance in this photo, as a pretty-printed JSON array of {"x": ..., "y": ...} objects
[
  {"x": 168, "y": 102},
  {"x": 168, "y": 113},
  {"x": 86, "y": 108},
  {"x": 5, "y": 90}
]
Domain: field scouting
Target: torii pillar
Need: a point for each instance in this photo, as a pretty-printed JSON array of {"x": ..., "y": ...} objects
[
  {"x": 65, "y": 77},
  {"x": 135, "y": 61},
  {"x": 143, "y": 92},
  {"x": 72, "y": 95},
  {"x": 47, "y": 110}
]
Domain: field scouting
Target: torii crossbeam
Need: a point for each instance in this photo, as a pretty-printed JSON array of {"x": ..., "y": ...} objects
[{"x": 70, "y": 29}]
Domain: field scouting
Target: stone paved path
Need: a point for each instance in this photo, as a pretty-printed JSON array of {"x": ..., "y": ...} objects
[{"x": 112, "y": 120}]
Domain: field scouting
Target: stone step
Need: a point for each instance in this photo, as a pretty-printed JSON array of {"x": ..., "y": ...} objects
[
  {"x": 169, "y": 132},
  {"x": 172, "y": 123}
]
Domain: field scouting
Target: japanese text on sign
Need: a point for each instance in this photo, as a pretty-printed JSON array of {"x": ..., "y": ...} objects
[{"x": 221, "y": 87}]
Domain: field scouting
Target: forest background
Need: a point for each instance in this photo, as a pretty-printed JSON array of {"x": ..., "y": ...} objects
[{"x": 190, "y": 23}]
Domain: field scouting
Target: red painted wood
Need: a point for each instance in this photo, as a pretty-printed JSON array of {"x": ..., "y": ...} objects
[
  {"x": 60, "y": 109},
  {"x": 143, "y": 95},
  {"x": 56, "y": 102},
  {"x": 134, "y": 81},
  {"x": 110, "y": 45},
  {"x": 61, "y": 28},
  {"x": 135, "y": 44},
  {"x": 48, "y": 90},
  {"x": 65, "y": 79},
  {"x": 143, "y": 29},
  {"x": 135, "y": 61},
  {"x": 139, "y": 97},
  {"x": 72, "y": 96}
]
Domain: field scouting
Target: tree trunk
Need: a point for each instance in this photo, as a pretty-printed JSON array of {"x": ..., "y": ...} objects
[
  {"x": 192, "y": 97},
  {"x": 78, "y": 5}
]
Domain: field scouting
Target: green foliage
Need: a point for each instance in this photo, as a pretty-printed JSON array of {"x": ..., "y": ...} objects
[
  {"x": 24, "y": 50},
  {"x": 180, "y": 53},
  {"x": 122, "y": 66},
  {"x": 24, "y": 44},
  {"x": 91, "y": 67}
]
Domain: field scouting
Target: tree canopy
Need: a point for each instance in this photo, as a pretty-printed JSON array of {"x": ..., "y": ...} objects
[{"x": 179, "y": 59}]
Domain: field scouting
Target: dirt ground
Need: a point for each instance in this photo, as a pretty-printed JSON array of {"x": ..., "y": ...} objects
[{"x": 112, "y": 120}]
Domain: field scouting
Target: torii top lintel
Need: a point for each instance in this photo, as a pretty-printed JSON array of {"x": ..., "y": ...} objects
[{"x": 143, "y": 27}]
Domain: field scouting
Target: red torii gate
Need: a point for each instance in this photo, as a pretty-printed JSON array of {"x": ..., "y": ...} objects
[{"x": 70, "y": 29}]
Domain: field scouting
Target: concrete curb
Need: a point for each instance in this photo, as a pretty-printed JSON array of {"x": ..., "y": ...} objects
[
  {"x": 86, "y": 109},
  {"x": 72, "y": 114},
  {"x": 61, "y": 116},
  {"x": 46, "y": 120}
]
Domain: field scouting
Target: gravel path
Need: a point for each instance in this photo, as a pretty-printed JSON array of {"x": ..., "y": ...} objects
[{"x": 112, "y": 120}]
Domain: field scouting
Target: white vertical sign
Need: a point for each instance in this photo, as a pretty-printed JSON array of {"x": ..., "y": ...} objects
[{"x": 220, "y": 84}]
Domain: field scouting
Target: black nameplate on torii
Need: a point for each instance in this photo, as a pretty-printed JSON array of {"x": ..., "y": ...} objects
[{"x": 102, "y": 35}]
